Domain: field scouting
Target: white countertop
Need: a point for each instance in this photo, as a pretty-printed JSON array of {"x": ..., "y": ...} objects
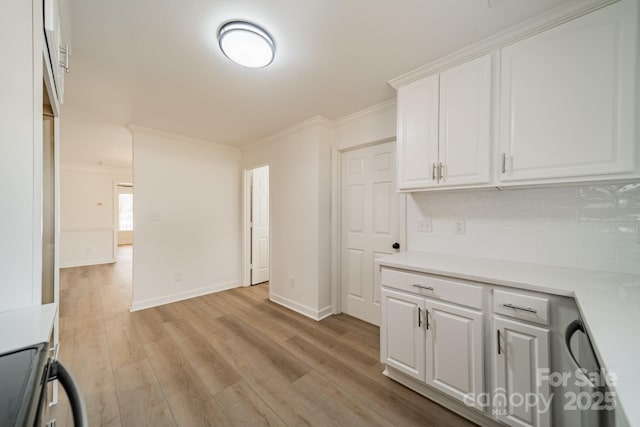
[
  {"x": 26, "y": 326},
  {"x": 608, "y": 302}
]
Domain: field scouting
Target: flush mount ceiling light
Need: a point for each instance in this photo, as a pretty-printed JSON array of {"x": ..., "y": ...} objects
[{"x": 246, "y": 44}]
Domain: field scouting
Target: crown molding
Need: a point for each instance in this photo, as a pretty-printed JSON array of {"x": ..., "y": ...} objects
[
  {"x": 369, "y": 110},
  {"x": 542, "y": 22},
  {"x": 313, "y": 121},
  {"x": 102, "y": 169},
  {"x": 161, "y": 133}
]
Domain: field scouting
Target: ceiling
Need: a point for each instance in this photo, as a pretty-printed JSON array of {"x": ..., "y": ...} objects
[{"x": 156, "y": 63}]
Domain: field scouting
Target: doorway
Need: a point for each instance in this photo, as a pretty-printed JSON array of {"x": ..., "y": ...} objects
[
  {"x": 257, "y": 241},
  {"x": 370, "y": 218},
  {"x": 124, "y": 214}
]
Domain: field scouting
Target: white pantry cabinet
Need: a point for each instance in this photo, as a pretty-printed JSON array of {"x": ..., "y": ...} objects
[
  {"x": 522, "y": 351},
  {"x": 444, "y": 125},
  {"x": 437, "y": 343},
  {"x": 567, "y": 103}
]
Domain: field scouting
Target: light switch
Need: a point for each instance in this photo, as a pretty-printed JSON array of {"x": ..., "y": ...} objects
[{"x": 154, "y": 216}]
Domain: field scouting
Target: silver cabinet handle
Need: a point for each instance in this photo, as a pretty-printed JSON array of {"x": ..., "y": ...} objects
[
  {"x": 517, "y": 307},
  {"x": 428, "y": 288},
  {"x": 504, "y": 162},
  {"x": 441, "y": 172},
  {"x": 433, "y": 173}
]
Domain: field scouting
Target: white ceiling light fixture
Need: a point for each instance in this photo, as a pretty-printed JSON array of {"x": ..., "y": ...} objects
[{"x": 246, "y": 44}]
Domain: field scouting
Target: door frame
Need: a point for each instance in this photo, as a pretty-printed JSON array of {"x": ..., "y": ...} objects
[
  {"x": 247, "y": 179},
  {"x": 116, "y": 215},
  {"x": 336, "y": 219}
]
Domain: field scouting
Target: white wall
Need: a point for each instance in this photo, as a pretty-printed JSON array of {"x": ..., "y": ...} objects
[
  {"x": 587, "y": 226},
  {"x": 94, "y": 139},
  {"x": 187, "y": 217},
  {"x": 300, "y": 180},
  {"x": 87, "y": 213},
  {"x": 376, "y": 123},
  {"x": 20, "y": 155}
]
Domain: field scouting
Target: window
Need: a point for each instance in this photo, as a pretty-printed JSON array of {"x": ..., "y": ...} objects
[{"x": 125, "y": 203}]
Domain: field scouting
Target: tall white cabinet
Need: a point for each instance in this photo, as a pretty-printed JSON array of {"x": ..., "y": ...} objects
[{"x": 567, "y": 98}]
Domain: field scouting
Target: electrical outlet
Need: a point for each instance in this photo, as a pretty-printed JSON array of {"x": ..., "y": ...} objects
[
  {"x": 177, "y": 276},
  {"x": 424, "y": 225},
  {"x": 89, "y": 251},
  {"x": 292, "y": 282},
  {"x": 460, "y": 227}
]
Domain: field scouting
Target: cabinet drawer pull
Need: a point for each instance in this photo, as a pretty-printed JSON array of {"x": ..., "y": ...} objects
[
  {"x": 441, "y": 172},
  {"x": 504, "y": 162},
  {"x": 516, "y": 307},
  {"x": 419, "y": 317},
  {"x": 426, "y": 318},
  {"x": 498, "y": 341},
  {"x": 428, "y": 288},
  {"x": 433, "y": 173}
]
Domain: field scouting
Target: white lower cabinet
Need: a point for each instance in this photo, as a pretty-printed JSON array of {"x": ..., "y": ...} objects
[
  {"x": 454, "y": 349},
  {"x": 522, "y": 351},
  {"x": 401, "y": 333},
  {"x": 436, "y": 343}
]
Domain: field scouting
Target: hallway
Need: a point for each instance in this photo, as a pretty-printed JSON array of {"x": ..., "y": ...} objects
[{"x": 231, "y": 358}]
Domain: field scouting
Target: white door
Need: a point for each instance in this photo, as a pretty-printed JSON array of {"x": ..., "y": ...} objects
[
  {"x": 465, "y": 123},
  {"x": 567, "y": 98},
  {"x": 260, "y": 225},
  {"x": 125, "y": 214},
  {"x": 418, "y": 133},
  {"x": 454, "y": 361},
  {"x": 522, "y": 350},
  {"x": 369, "y": 226},
  {"x": 402, "y": 333}
]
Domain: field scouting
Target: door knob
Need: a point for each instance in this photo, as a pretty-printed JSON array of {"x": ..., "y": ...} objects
[{"x": 396, "y": 245}]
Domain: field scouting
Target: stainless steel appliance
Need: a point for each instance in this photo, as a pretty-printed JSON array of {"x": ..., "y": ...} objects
[{"x": 24, "y": 375}]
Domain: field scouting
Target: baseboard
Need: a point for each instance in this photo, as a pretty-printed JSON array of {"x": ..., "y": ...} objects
[
  {"x": 87, "y": 263},
  {"x": 301, "y": 308},
  {"x": 442, "y": 399},
  {"x": 181, "y": 296}
]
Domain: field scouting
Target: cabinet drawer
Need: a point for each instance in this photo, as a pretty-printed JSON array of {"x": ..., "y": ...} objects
[
  {"x": 521, "y": 306},
  {"x": 432, "y": 287}
]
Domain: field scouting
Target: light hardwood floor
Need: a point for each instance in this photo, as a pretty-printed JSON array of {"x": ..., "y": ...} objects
[{"x": 231, "y": 358}]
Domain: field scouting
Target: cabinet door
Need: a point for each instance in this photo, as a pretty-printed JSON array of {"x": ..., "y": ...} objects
[
  {"x": 402, "y": 333},
  {"x": 418, "y": 133},
  {"x": 465, "y": 123},
  {"x": 567, "y": 98},
  {"x": 454, "y": 361},
  {"x": 522, "y": 350}
]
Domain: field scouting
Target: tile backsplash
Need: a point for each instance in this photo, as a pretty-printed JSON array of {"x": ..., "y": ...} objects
[{"x": 588, "y": 226}]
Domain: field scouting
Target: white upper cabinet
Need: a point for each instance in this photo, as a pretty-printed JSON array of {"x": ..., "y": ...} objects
[
  {"x": 465, "y": 123},
  {"x": 567, "y": 107},
  {"x": 417, "y": 156},
  {"x": 56, "y": 51},
  {"x": 445, "y": 128}
]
